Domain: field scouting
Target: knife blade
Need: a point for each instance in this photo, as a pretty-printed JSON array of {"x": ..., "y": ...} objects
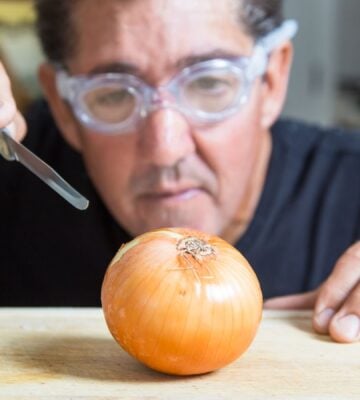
[{"x": 11, "y": 150}]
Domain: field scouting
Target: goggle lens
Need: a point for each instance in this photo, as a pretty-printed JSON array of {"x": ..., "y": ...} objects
[
  {"x": 212, "y": 91},
  {"x": 112, "y": 104},
  {"x": 209, "y": 92}
]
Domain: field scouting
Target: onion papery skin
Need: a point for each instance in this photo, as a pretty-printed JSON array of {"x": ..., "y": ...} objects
[{"x": 178, "y": 313}]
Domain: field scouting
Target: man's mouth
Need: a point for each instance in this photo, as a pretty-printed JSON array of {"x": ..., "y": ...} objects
[{"x": 173, "y": 196}]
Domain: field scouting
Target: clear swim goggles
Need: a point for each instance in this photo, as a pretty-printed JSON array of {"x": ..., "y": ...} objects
[{"x": 205, "y": 92}]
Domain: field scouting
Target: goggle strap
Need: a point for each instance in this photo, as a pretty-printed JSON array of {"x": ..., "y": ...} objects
[
  {"x": 258, "y": 63},
  {"x": 286, "y": 31},
  {"x": 62, "y": 84}
]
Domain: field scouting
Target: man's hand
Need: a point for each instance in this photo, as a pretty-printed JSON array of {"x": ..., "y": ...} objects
[
  {"x": 9, "y": 115},
  {"x": 336, "y": 302}
]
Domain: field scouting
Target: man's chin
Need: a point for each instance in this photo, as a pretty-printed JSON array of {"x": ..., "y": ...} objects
[
  {"x": 172, "y": 219},
  {"x": 195, "y": 211}
]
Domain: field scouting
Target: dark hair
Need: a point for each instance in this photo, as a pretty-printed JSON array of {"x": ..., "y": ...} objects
[
  {"x": 261, "y": 16},
  {"x": 57, "y": 33},
  {"x": 55, "y": 28}
]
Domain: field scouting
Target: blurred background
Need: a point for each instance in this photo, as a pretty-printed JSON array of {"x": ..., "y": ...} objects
[
  {"x": 325, "y": 81},
  {"x": 19, "y": 49}
]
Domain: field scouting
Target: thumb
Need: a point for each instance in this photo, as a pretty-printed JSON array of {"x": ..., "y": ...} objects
[{"x": 17, "y": 127}]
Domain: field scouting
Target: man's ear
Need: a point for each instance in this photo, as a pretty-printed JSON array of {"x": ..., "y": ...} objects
[
  {"x": 275, "y": 83},
  {"x": 61, "y": 111}
]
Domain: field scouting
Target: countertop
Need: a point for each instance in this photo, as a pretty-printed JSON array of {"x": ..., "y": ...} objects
[{"x": 68, "y": 353}]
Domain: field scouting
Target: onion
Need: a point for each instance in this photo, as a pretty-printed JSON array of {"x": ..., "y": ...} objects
[{"x": 181, "y": 301}]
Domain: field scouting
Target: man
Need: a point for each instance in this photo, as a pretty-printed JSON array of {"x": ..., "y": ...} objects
[{"x": 172, "y": 107}]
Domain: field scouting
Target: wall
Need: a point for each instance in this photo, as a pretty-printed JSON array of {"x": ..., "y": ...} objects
[
  {"x": 19, "y": 11},
  {"x": 348, "y": 40},
  {"x": 312, "y": 87}
]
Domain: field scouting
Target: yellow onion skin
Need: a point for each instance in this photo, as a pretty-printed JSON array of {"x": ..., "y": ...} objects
[{"x": 177, "y": 312}]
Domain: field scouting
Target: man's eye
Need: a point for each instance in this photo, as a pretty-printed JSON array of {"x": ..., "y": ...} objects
[
  {"x": 113, "y": 97},
  {"x": 209, "y": 84}
]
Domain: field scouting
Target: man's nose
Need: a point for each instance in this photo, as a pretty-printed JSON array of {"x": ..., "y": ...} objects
[{"x": 166, "y": 137}]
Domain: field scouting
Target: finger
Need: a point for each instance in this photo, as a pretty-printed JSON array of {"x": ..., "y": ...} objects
[
  {"x": 7, "y": 102},
  {"x": 10, "y": 117},
  {"x": 293, "y": 302},
  {"x": 20, "y": 127},
  {"x": 337, "y": 288},
  {"x": 345, "y": 325}
]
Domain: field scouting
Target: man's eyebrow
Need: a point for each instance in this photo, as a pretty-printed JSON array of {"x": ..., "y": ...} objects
[
  {"x": 127, "y": 68},
  {"x": 124, "y": 68},
  {"x": 196, "y": 58}
]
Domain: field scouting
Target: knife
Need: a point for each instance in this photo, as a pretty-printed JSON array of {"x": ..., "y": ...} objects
[{"x": 14, "y": 151}]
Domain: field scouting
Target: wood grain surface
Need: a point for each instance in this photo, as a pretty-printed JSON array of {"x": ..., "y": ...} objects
[{"x": 70, "y": 354}]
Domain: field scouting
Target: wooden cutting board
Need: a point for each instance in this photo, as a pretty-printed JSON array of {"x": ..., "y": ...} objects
[{"x": 70, "y": 354}]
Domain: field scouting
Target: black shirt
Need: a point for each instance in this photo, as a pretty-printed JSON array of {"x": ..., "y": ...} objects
[{"x": 54, "y": 255}]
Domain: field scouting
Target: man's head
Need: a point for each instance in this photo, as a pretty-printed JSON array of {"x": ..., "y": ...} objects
[{"x": 166, "y": 170}]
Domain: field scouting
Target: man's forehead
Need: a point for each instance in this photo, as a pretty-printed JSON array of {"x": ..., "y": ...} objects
[
  {"x": 164, "y": 6},
  {"x": 140, "y": 31},
  {"x": 205, "y": 7},
  {"x": 163, "y": 9}
]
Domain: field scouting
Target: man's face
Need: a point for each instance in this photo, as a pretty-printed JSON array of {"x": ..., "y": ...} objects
[{"x": 167, "y": 171}]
